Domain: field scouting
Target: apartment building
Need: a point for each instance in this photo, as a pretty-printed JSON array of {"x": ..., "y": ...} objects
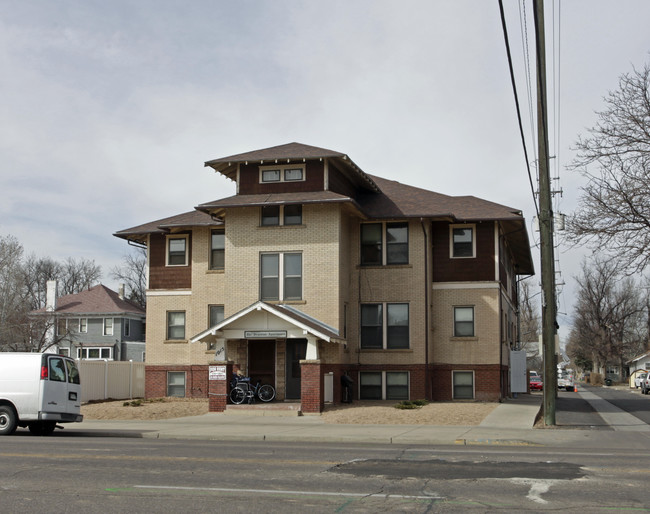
[{"x": 315, "y": 269}]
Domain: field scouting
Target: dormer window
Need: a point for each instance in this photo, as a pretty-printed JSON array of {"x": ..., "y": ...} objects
[{"x": 287, "y": 173}]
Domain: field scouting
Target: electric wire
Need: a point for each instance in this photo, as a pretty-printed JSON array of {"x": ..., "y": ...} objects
[{"x": 514, "y": 89}]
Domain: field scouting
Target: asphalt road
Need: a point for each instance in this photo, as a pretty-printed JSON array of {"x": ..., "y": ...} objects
[{"x": 116, "y": 475}]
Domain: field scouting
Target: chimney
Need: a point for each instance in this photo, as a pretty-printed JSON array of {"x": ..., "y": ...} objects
[
  {"x": 50, "y": 296},
  {"x": 120, "y": 291}
]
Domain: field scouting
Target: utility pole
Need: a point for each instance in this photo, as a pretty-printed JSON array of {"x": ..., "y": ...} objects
[{"x": 545, "y": 226}]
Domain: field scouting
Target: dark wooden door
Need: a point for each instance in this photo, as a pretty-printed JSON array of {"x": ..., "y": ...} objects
[
  {"x": 296, "y": 351},
  {"x": 261, "y": 361}
]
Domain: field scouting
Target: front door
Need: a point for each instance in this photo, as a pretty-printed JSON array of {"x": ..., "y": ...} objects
[
  {"x": 261, "y": 361},
  {"x": 296, "y": 351}
]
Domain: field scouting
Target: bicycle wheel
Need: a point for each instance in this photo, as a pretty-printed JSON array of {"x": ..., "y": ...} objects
[
  {"x": 266, "y": 393},
  {"x": 237, "y": 395}
]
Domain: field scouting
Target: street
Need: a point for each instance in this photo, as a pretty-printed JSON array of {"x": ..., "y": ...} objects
[{"x": 114, "y": 474}]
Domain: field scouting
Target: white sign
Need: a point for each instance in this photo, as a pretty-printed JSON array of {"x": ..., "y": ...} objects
[
  {"x": 217, "y": 373},
  {"x": 265, "y": 334}
]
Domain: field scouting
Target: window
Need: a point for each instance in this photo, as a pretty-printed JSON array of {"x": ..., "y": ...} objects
[
  {"x": 61, "y": 327},
  {"x": 95, "y": 352},
  {"x": 384, "y": 243},
  {"x": 57, "y": 369},
  {"x": 216, "y": 314},
  {"x": 177, "y": 251},
  {"x": 395, "y": 317},
  {"x": 217, "y": 249},
  {"x": 270, "y": 215},
  {"x": 83, "y": 325},
  {"x": 384, "y": 385},
  {"x": 176, "y": 325},
  {"x": 108, "y": 326},
  {"x": 463, "y": 321},
  {"x": 293, "y": 214},
  {"x": 462, "y": 241},
  {"x": 127, "y": 327},
  {"x": 176, "y": 383},
  {"x": 463, "y": 384},
  {"x": 277, "y": 286},
  {"x": 275, "y": 215},
  {"x": 289, "y": 173}
]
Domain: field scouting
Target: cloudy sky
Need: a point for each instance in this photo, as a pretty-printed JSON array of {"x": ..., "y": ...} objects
[{"x": 109, "y": 109}]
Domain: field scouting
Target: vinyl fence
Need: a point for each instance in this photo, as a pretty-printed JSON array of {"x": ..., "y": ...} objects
[{"x": 117, "y": 380}]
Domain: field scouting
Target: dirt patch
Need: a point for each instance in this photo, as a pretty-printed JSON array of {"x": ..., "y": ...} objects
[{"x": 374, "y": 413}]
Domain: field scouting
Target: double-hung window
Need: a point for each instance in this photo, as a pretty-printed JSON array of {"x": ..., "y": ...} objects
[
  {"x": 385, "y": 326},
  {"x": 216, "y": 315},
  {"x": 127, "y": 327},
  {"x": 217, "y": 249},
  {"x": 464, "y": 322},
  {"x": 281, "y": 276},
  {"x": 275, "y": 215},
  {"x": 108, "y": 326},
  {"x": 384, "y": 385},
  {"x": 463, "y": 384},
  {"x": 175, "y": 325},
  {"x": 463, "y": 241},
  {"x": 177, "y": 251},
  {"x": 384, "y": 244}
]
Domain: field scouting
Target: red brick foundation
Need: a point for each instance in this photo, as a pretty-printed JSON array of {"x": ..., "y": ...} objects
[
  {"x": 487, "y": 381},
  {"x": 196, "y": 380},
  {"x": 311, "y": 387}
]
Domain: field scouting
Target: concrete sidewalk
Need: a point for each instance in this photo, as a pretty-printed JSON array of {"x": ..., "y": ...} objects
[{"x": 511, "y": 423}]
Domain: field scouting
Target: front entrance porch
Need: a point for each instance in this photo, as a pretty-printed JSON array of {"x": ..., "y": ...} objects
[{"x": 275, "y": 344}]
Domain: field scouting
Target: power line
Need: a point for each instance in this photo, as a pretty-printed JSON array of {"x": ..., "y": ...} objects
[{"x": 514, "y": 89}]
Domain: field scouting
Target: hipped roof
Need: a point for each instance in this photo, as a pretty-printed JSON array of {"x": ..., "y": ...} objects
[{"x": 98, "y": 300}]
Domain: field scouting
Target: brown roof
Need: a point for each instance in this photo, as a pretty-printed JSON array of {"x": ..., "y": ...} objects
[
  {"x": 187, "y": 219},
  {"x": 293, "y": 152},
  {"x": 278, "y": 198},
  {"x": 96, "y": 300}
]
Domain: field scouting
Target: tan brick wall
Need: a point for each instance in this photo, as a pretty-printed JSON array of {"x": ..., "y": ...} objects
[
  {"x": 482, "y": 349},
  {"x": 390, "y": 284}
]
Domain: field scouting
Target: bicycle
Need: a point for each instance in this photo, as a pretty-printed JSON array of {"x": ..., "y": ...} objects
[{"x": 242, "y": 389}]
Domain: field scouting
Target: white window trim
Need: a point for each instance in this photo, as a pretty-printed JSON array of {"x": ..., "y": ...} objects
[
  {"x": 126, "y": 323},
  {"x": 384, "y": 382},
  {"x": 453, "y": 372},
  {"x": 104, "y": 331},
  {"x": 84, "y": 349},
  {"x": 167, "y": 326},
  {"x": 451, "y": 240},
  {"x": 282, "y": 276},
  {"x": 282, "y": 168},
  {"x": 187, "y": 250},
  {"x": 384, "y": 328}
]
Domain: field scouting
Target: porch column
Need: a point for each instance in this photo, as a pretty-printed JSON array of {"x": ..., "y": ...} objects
[
  {"x": 311, "y": 386},
  {"x": 312, "y": 348},
  {"x": 219, "y": 385}
]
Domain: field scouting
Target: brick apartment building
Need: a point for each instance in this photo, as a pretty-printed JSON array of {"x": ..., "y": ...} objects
[{"x": 314, "y": 269}]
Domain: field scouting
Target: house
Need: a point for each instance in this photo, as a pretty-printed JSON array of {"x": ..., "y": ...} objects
[
  {"x": 315, "y": 268},
  {"x": 98, "y": 323}
]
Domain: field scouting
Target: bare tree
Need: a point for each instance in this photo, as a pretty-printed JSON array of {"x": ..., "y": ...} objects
[
  {"x": 133, "y": 273},
  {"x": 12, "y": 299},
  {"x": 78, "y": 275},
  {"x": 614, "y": 209},
  {"x": 609, "y": 324},
  {"x": 529, "y": 324}
]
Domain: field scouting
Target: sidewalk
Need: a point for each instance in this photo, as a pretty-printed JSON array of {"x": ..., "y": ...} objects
[{"x": 511, "y": 423}]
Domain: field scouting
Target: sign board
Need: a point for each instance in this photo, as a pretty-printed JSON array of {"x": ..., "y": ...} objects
[
  {"x": 265, "y": 334},
  {"x": 217, "y": 373}
]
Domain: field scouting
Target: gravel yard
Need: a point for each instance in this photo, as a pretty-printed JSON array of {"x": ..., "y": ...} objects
[{"x": 437, "y": 413}]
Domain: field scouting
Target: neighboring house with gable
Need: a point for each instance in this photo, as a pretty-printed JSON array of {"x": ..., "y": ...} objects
[
  {"x": 98, "y": 323},
  {"x": 315, "y": 268}
]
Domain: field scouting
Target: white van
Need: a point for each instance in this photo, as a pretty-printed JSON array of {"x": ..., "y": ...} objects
[{"x": 37, "y": 391}]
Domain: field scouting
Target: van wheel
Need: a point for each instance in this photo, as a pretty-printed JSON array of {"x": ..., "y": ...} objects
[
  {"x": 42, "y": 428},
  {"x": 8, "y": 420}
]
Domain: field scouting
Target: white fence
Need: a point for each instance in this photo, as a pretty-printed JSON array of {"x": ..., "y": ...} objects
[{"x": 117, "y": 380}]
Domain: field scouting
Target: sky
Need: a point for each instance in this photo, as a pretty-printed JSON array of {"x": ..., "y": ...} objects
[{"x": 108, "y": 110}]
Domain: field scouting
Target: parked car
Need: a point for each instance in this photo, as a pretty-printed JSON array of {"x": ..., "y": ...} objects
[
  {"x": 645, "y": 384},
  {"x": 536, "y": 384},
  {"x": 638, "y": 380},
  {"x": 533, "y": 374}
]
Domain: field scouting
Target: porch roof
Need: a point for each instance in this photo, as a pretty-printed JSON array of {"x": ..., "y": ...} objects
[{"x": 300, "y": 320}]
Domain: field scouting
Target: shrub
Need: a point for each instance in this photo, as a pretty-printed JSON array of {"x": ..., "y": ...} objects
[
  {"x": 411, "y": 404},
  {"x": 596, "y": 379}
]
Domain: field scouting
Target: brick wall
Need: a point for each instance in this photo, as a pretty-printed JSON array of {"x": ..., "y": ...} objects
[
  {"x": 311, "y": 385},
  {"x": 487, "y": 381}
]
